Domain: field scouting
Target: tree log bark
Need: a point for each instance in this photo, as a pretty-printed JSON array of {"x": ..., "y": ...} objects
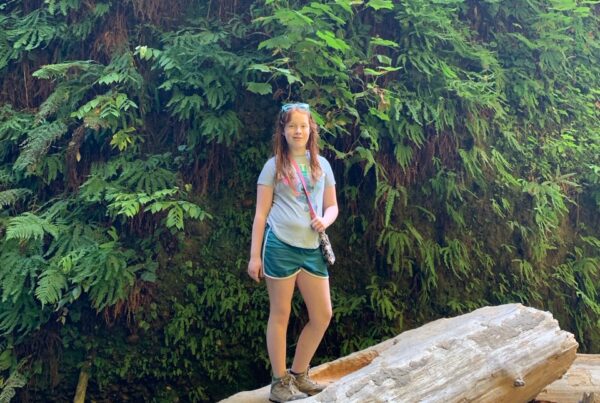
[
  {"x": 581, "y": 383},
  {"x": 506, "y": 353}
]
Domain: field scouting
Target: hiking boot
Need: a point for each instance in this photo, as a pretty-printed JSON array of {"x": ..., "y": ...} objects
[
  {"x": 284, "y": 389},
  {"x": 307, "y": 385}
]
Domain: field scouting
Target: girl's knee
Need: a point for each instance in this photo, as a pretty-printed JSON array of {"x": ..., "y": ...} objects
[
  {"x": 280, "y": 314},
  {"x": 322, "y": 318}
]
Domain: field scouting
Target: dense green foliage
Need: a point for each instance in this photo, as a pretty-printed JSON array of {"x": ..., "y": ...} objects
[{"x": 464, "y": 135}]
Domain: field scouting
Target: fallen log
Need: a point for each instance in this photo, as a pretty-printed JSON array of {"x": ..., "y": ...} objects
[
  {"x": 506, "y": 353},
  {"x": 581, "y": 383}
]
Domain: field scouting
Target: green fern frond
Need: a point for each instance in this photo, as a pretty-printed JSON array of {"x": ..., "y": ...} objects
[
  {"x": 175, "y": 218},
  {"x": 105, "y": 111},
  {"x": 62, "y": 70},
  {"x": 94, "y": 189},
  {"x": 129, "y": 205},
  {"x": 29, "y": 226},
  {"x": 121, "y": 70},
  {"x": 57, "y": 100},
  {"x": 105, "y": 272},
  {"x": 51, "y": 166},
  {"x": 125, "y": 204},
  {"x": 147, "y": 176},
  {"x": 220, "y": 127},
  {"x": 6, "y": 177},
  {"x": 63, "y": 5},
  {"x": 455, "y": 255},
  {"x": 34, "y": 30},
  {"x": 37, "y": 144},
  {"x": 13, "y": 124},
  {"x": 403, "y": 154},
  {"x": 18, "y": 271},
  {"x": 21, "y": 316},
  {"x": 398, "y": 246},
  {"x": 80, "y": 236},
  {"x": 15, "y": 380},
  {"x": 50, "y": 286},
  {"x": 11, "y": 196}
]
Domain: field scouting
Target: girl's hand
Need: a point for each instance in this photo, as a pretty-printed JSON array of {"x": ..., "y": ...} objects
[
  {"x": 318, "y": 224},
  {"x": 255, "y": 269}
]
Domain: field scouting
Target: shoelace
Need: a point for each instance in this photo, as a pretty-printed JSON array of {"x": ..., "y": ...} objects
[{"x": 288, "y": 381}]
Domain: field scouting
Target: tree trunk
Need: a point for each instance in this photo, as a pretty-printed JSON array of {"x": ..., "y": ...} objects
[
  {"x": 506, "y": 353},
  {"x": 581, "y": 383}
]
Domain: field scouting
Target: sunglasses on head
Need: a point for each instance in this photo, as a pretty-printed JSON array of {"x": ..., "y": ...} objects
[{"x": 288, "y": 107}]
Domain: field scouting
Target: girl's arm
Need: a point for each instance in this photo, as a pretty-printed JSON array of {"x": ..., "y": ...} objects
[
  {"x": 264, "y": 200},
  {"x": 330, "y": 210}
]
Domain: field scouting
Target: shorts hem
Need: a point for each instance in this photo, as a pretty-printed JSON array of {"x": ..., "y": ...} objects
[
  {"x": 313, "y": 274},
  {"x": 282, "y": 278}
]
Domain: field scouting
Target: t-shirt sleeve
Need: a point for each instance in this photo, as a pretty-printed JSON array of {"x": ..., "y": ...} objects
[
  {"x": 267, "y": 175},
  {"x": 329, "y": 178}
]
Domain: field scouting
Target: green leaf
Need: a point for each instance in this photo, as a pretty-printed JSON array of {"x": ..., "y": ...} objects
[
  {"x": 377, "y": 41},
  {"x": 29, "y": 226},
  {"x": 259, "y": 88},
  {"x": 260, "y": 67},
  {"x": 332, "y": 41},
  {"x": 381, "y": 4}
]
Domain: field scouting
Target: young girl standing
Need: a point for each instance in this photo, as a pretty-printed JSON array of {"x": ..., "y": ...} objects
[{"x": 285, "y": 246}]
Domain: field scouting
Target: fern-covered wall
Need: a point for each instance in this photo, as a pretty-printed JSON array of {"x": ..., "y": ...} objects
[{"x": 464, "y": 135}]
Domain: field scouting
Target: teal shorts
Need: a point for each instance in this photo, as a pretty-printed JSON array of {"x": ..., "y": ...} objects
[{"x": 281, "y": 260}]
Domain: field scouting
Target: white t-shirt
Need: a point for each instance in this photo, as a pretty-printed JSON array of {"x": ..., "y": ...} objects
[{"x": 289, "y": 217}]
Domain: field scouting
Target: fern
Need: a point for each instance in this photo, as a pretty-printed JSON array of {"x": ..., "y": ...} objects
[
  {"x": 15, "y": 380},
  {"x": 78, "y": 236},
  {"x": 17, "y": 273},
  {"x": 104, "y": 272},
  {"x": 50, "y": 286},
  {"x": 33, "y": 30},
  {"x": 37, "y": 144},
  {"x": 107, "y": 110},
  {"x": 455, "y": 255},
  {"x": 66, "y": 69},
  {"x": 51, "y": 167},
  {"x": 399, "y": 248},
  {"x": 222, "y": 128},
  {"x": 121, "y": 70},
  {"x": 147, "y": 176},
  {"x": 57, "y": 100},
  {"x": 384, "y": 300},
  {"x": 129, "y": 205},
  {"x": 178, "y": 211},
  {"x": 21, "y": 316},
  {"x": 63, "y": 5},
  {"x": 13, "y": 124},
  {"x": 29, "y": 226},
  {"x": 390, "y": 194},
  {"x": 6, "y": 177},
  {"x": 11, "y": 196}
]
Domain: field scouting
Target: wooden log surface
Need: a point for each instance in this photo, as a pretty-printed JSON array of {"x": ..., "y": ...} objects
[
  {"x": 582, "y": 378},
  {"x": 506, "y": 353}
]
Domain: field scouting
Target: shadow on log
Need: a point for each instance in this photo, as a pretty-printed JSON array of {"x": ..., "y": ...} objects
[{"x": 506, "y": 353}]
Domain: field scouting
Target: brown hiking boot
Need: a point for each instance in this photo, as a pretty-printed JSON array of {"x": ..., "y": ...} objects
[
  {"x": 307, "y": 385},
  {"x": 284, "y": 389}
]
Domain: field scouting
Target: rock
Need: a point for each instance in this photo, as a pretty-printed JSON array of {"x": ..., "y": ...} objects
[
  {"x": 507, "y": 353},
  {"x": 581, "y": 383}
]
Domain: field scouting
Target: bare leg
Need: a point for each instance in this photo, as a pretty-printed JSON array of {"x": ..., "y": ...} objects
[
  {"x": 315, "y": 292},
  {"x": 280, "y": 302}
]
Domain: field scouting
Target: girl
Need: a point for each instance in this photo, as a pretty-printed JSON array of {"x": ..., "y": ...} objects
[{"x": 285, "y": 246}]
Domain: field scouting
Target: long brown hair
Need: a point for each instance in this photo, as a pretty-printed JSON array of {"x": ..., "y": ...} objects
[{"x": 283, "y": 167}]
